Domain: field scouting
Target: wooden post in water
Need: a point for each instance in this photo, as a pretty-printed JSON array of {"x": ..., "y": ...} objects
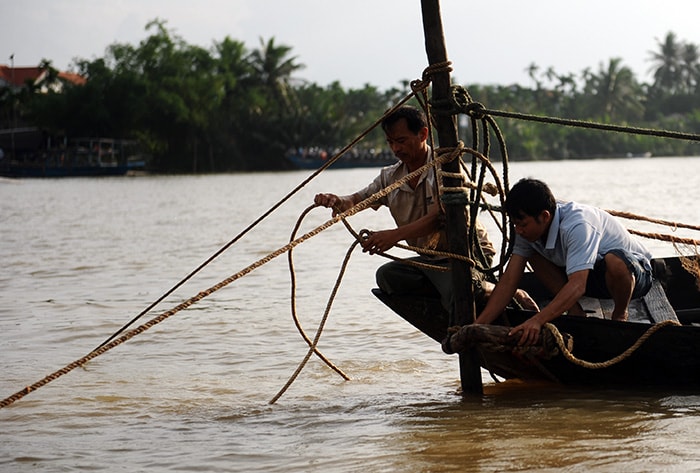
[{"x": 464, "y": 309}]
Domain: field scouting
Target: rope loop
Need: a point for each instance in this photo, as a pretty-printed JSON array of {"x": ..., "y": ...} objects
[
  {"x": 445, "y": 66},
  {"x": 460, "y": 96},
  {"x": 419, "y": 85}
]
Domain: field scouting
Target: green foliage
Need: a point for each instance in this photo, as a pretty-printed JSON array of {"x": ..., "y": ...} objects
[{"x": 229, "y": 108}]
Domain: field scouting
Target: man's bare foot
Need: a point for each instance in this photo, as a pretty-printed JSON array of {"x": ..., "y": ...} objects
[{"x": 577, "y": 311}]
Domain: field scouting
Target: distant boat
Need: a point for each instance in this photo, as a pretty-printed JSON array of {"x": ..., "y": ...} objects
[
  {"x": 49, "y": 169},
  {"x": 315, "y": 158},
  {"x": 639, "y": 155},
  {"x": 78, "y": 158}
]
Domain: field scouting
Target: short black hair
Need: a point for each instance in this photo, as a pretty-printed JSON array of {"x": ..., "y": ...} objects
[
  {"x": 415, "y": 118},
  {"x": 529, "y": 197}
]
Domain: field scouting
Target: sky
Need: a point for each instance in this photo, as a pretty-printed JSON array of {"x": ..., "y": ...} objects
[{"x": 358, "y": 42}]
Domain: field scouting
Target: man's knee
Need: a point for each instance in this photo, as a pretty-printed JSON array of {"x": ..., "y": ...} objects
[
  {"x": 617, "y": 267},
  {"x": 385, "y": 277},
  {"x": 624, "y": 267},
  {"x": 399, "y": 278}
]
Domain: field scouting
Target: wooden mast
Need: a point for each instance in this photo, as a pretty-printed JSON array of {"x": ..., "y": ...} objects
[{"x": 464, "y": 310}]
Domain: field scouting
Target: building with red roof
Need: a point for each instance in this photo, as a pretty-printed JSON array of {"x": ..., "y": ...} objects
[{"x": 19, "y": 77}]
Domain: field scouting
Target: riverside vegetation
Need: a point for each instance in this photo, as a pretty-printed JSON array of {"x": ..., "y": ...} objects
[{"x": 231, "y": 108}]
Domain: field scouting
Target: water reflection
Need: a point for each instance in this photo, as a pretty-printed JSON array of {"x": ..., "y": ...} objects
[{"x": 517, "y": 427}]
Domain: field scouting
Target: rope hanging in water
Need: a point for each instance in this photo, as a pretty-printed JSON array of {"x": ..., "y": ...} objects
[
  {"x": 297, "y": 323},
  {"x": 313, "y": 344}
]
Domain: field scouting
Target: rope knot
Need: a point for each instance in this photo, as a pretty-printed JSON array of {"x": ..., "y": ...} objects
[
  {"x": 419, "y": 85},
  {"x": 475, "y": 110}
]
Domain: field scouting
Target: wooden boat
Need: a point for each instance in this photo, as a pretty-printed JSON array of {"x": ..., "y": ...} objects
[
  {"x": 79, "y": 158},
  {"x": 51, "y": 168},
  {"x": 659, "y": 345}
]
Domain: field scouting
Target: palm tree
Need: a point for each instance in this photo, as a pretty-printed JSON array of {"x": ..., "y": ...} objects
[
  {"x": 615, "y": 92},
  {"x": 667, "y": 65},
  {"x": 273, "y": 69},
  {"x": 690, "y": 67}
]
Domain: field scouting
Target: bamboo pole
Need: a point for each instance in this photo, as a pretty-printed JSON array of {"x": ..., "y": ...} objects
[{"x": 464, "y": 310}]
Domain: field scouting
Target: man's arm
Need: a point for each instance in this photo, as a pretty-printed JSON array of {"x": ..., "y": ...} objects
[
  {"x": 504, "y": 290},
  {"x": 569, "y": 295},
  {"x": 338, "y": 203}
]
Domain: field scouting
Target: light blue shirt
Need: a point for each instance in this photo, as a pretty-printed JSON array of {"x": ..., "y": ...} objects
[{"x": 579, "y": 236}]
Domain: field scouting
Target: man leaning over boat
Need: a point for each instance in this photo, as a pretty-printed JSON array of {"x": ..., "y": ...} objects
[
  {"x": 416, "y": 212},
  {"x": 574, "y": 250}
]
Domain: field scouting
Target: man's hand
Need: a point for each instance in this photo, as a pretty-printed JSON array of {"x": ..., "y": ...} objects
[
  {"x": 326, "y": 200},
  {"x": 380, "y": 242},
  {"x": 337, "y": 203},
  {"x": 530, "y": 331}
]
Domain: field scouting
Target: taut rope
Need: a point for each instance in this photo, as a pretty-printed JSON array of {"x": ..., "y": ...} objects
[
  {"x": 478, "y": 110},
  {"x": 417, "y": 86}
]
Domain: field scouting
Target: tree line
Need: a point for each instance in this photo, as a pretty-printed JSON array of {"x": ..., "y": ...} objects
[{"x": 231, "y": 108}]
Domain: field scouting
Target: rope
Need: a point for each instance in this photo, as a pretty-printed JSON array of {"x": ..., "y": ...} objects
[
  {"x": 664, "y": 237},
  {"x": 312, "y": 345},
  {"x": 631, "y": 216},
  {"x": 297, "y": 322},
  {"x": 566, "y": 351},
  {"x": 266, "y": 214},
  {"x": 156, "y": 320},
  {"x": 478, "y": 110}
]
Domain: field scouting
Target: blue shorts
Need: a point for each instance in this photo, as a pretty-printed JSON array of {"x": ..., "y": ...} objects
[{"x": 638, "y": 266}]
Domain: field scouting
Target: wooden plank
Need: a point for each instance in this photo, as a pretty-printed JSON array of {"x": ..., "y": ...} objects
[{"x": 657, "y": 303}]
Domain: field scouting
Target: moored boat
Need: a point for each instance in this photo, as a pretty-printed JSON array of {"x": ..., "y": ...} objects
[
  {"x": 315, "y": 158},
  {"x": 78, "y": 158}
]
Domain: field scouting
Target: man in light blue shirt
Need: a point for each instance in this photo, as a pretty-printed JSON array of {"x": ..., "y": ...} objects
[{"x": 575, "y": 250}]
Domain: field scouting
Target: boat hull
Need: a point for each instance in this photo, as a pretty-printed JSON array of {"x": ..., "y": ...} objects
[
  {"x": 669, "y": 355},
  {"x": 29, "y": 171}
]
